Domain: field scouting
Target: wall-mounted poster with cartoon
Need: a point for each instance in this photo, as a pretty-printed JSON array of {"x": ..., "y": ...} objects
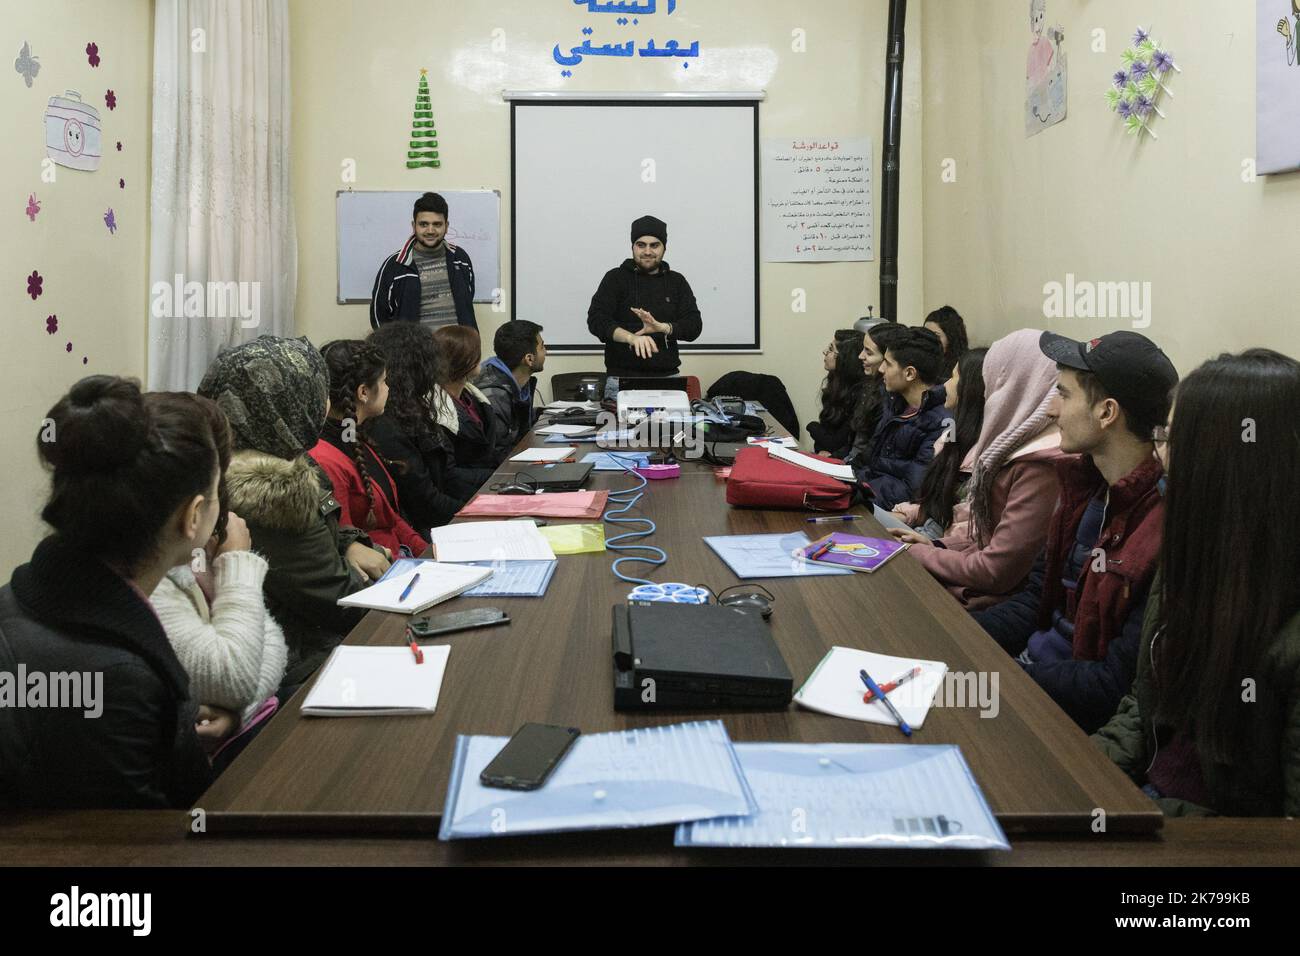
[
  {"x": 1046, "y": 76},
  {"x": 72, "y": 132},
  {"x": 1277, "y": 86}
]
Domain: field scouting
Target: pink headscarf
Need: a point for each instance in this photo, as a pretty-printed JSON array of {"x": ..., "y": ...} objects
[{"x": 1019, "y": 381}]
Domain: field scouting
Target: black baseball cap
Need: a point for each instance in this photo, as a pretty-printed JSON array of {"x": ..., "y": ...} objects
[{"x": 1130, "y": 367}]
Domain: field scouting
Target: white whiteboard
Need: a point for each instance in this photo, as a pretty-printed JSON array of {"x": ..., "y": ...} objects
[
  {"x": 583, "y": 171},
  {"x": 373, "y": 225}
]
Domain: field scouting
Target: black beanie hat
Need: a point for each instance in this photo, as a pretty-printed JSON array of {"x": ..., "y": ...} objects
[{"x": 650, "y": 226}]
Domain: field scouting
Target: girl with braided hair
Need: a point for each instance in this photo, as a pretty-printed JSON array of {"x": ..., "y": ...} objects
[{"x": 358, "y": 393}]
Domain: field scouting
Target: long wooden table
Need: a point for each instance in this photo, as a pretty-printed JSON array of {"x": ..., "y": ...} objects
[
  {"x": 164, "y": 838},
  {"x": 552, "y": 664}
]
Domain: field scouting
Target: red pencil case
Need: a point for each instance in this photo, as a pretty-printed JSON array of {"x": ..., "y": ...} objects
[{"x": 761, "y": 481}]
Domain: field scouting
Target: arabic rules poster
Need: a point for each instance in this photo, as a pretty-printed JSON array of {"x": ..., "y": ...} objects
[{"x": 817, "y": 200}]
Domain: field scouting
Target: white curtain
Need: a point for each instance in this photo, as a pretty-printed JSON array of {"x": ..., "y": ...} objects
[{"x": 223, "y": 257}]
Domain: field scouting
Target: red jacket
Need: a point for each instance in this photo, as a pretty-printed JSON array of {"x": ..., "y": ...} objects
[
  {"x": 1130, "y": 539},
  {"x": 390, "y": 528}
]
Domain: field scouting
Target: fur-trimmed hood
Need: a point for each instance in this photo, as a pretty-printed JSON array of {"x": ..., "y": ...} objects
[{"x": 285, "y": 495}]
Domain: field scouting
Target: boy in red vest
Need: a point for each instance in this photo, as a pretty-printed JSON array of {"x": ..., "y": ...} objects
[{"x": 1076, "y": 625}]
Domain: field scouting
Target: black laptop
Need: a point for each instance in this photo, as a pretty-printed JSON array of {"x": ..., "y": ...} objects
[
  {"x": 696, "y": 657},
  {"x": 555, "y": 476}
]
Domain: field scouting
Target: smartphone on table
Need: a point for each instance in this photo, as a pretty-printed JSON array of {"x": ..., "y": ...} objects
[
  {"x": 439, "y": 624},
  {"x": 528, "y": 758}
]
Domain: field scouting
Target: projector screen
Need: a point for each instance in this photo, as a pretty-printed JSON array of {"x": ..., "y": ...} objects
[{"x": 583, "y": 170}]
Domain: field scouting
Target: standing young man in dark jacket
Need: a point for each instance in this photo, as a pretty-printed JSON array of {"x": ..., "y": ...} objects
[
  {"x": 912, "y": 419},
  {"x": 642, "y": 309},
  {"x": 1077, "y": 623},
  {"x": 428, "y": 280},
  {"x": 509, "y": 380}
]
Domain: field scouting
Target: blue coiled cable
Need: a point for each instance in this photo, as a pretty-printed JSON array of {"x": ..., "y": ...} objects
[{"x": 628, "y": 498}]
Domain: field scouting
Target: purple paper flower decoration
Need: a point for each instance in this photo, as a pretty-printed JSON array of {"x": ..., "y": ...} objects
[
  {"x": 119, "y": 146},
  {"x": 1139, "y": 70},
  {"x": 1140, "y": 37},
  {"x": 51, "y": 324},
  {"x": 34, "y": 285},
  {"x": 1119, "y": 79},
  {"x": 1142, "y": 106},
  {"x": 111, "y": 221},
  {"x": 1125, "y": 109},
  {"x": 92, "y": 53},
  {"x": 84, "y": 360},
  {"x": 33, "y": 207},
  {"x": 121, "y": 184},
  {"x": 68, "y": 348},
  {"x": 110, "y": 98},
  {"x": 1162, "y": 62}
]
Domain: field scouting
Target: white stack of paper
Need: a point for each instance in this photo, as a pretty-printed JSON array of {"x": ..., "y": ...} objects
[
  {"x": 820, "y": 465},
  {"x": 545, "y": 454},
  {"x": 377, "y": 681},
  {"x": 567, "y": 430},
  {"x": 490, "y": 541}
]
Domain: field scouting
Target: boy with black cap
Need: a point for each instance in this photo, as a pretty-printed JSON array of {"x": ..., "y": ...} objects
[
  {"x": 642, "y": 308},
  {"x": 1076, "y": 625}
]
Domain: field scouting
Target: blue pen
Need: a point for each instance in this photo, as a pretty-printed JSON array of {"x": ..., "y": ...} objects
[
  {"x": 406, "y": 591},
  {"x": 831, "y": 518},
  {"x": 880, "y": 696}
]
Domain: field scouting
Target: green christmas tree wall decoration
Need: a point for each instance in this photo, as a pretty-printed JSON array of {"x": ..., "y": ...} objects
[{"x": 424, "y": 141}]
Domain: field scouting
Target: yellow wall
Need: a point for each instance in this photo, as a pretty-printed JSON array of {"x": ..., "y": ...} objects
[
  {"x": 1085, "y": 198},
  {"x": 94, "y": 281},
  {"x": 355, "y": 72}
]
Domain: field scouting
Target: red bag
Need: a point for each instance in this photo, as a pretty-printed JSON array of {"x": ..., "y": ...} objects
[{"x": 760, "y": 481}]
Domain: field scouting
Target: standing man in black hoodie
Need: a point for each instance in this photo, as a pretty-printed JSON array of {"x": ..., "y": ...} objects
[{"x": 642, "y": 308}]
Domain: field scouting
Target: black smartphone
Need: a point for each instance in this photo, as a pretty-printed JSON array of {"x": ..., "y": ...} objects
[
  {"x": 528, "y": 759},
  {"x": 439, "y": 624}
]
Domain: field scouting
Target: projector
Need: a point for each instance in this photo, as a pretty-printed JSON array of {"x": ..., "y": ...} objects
[{"x": 636, "y": 405}]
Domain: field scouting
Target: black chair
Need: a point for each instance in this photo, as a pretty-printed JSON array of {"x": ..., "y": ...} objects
[
  {"x": 767, "y": 389},
  {"x": 578, "y": 386}
]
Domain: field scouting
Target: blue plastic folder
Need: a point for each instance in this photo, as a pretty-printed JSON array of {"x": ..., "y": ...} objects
[
  {"x": 855, "y": 795},
  {"x": 509, "y": 578},
  {"x": 768, "y": 555},
  {"x": 647, "y": 776}
]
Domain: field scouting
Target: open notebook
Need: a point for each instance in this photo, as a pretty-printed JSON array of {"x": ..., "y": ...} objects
[
  {"x": 437, "y": 583},
  {"x": 377, "y": 681}
]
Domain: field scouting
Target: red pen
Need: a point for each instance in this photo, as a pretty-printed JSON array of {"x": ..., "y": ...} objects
[
  {"x": 868, "y": 697},
  {"x": 820, "y": 551},
  {"x": 415, "y": 648}
]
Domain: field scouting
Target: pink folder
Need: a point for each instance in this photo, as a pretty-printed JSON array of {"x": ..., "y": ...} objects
[{"x": 563, "y": 504}]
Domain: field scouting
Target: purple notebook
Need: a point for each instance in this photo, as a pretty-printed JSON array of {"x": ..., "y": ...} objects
[{"x": 851, "y": 551}]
